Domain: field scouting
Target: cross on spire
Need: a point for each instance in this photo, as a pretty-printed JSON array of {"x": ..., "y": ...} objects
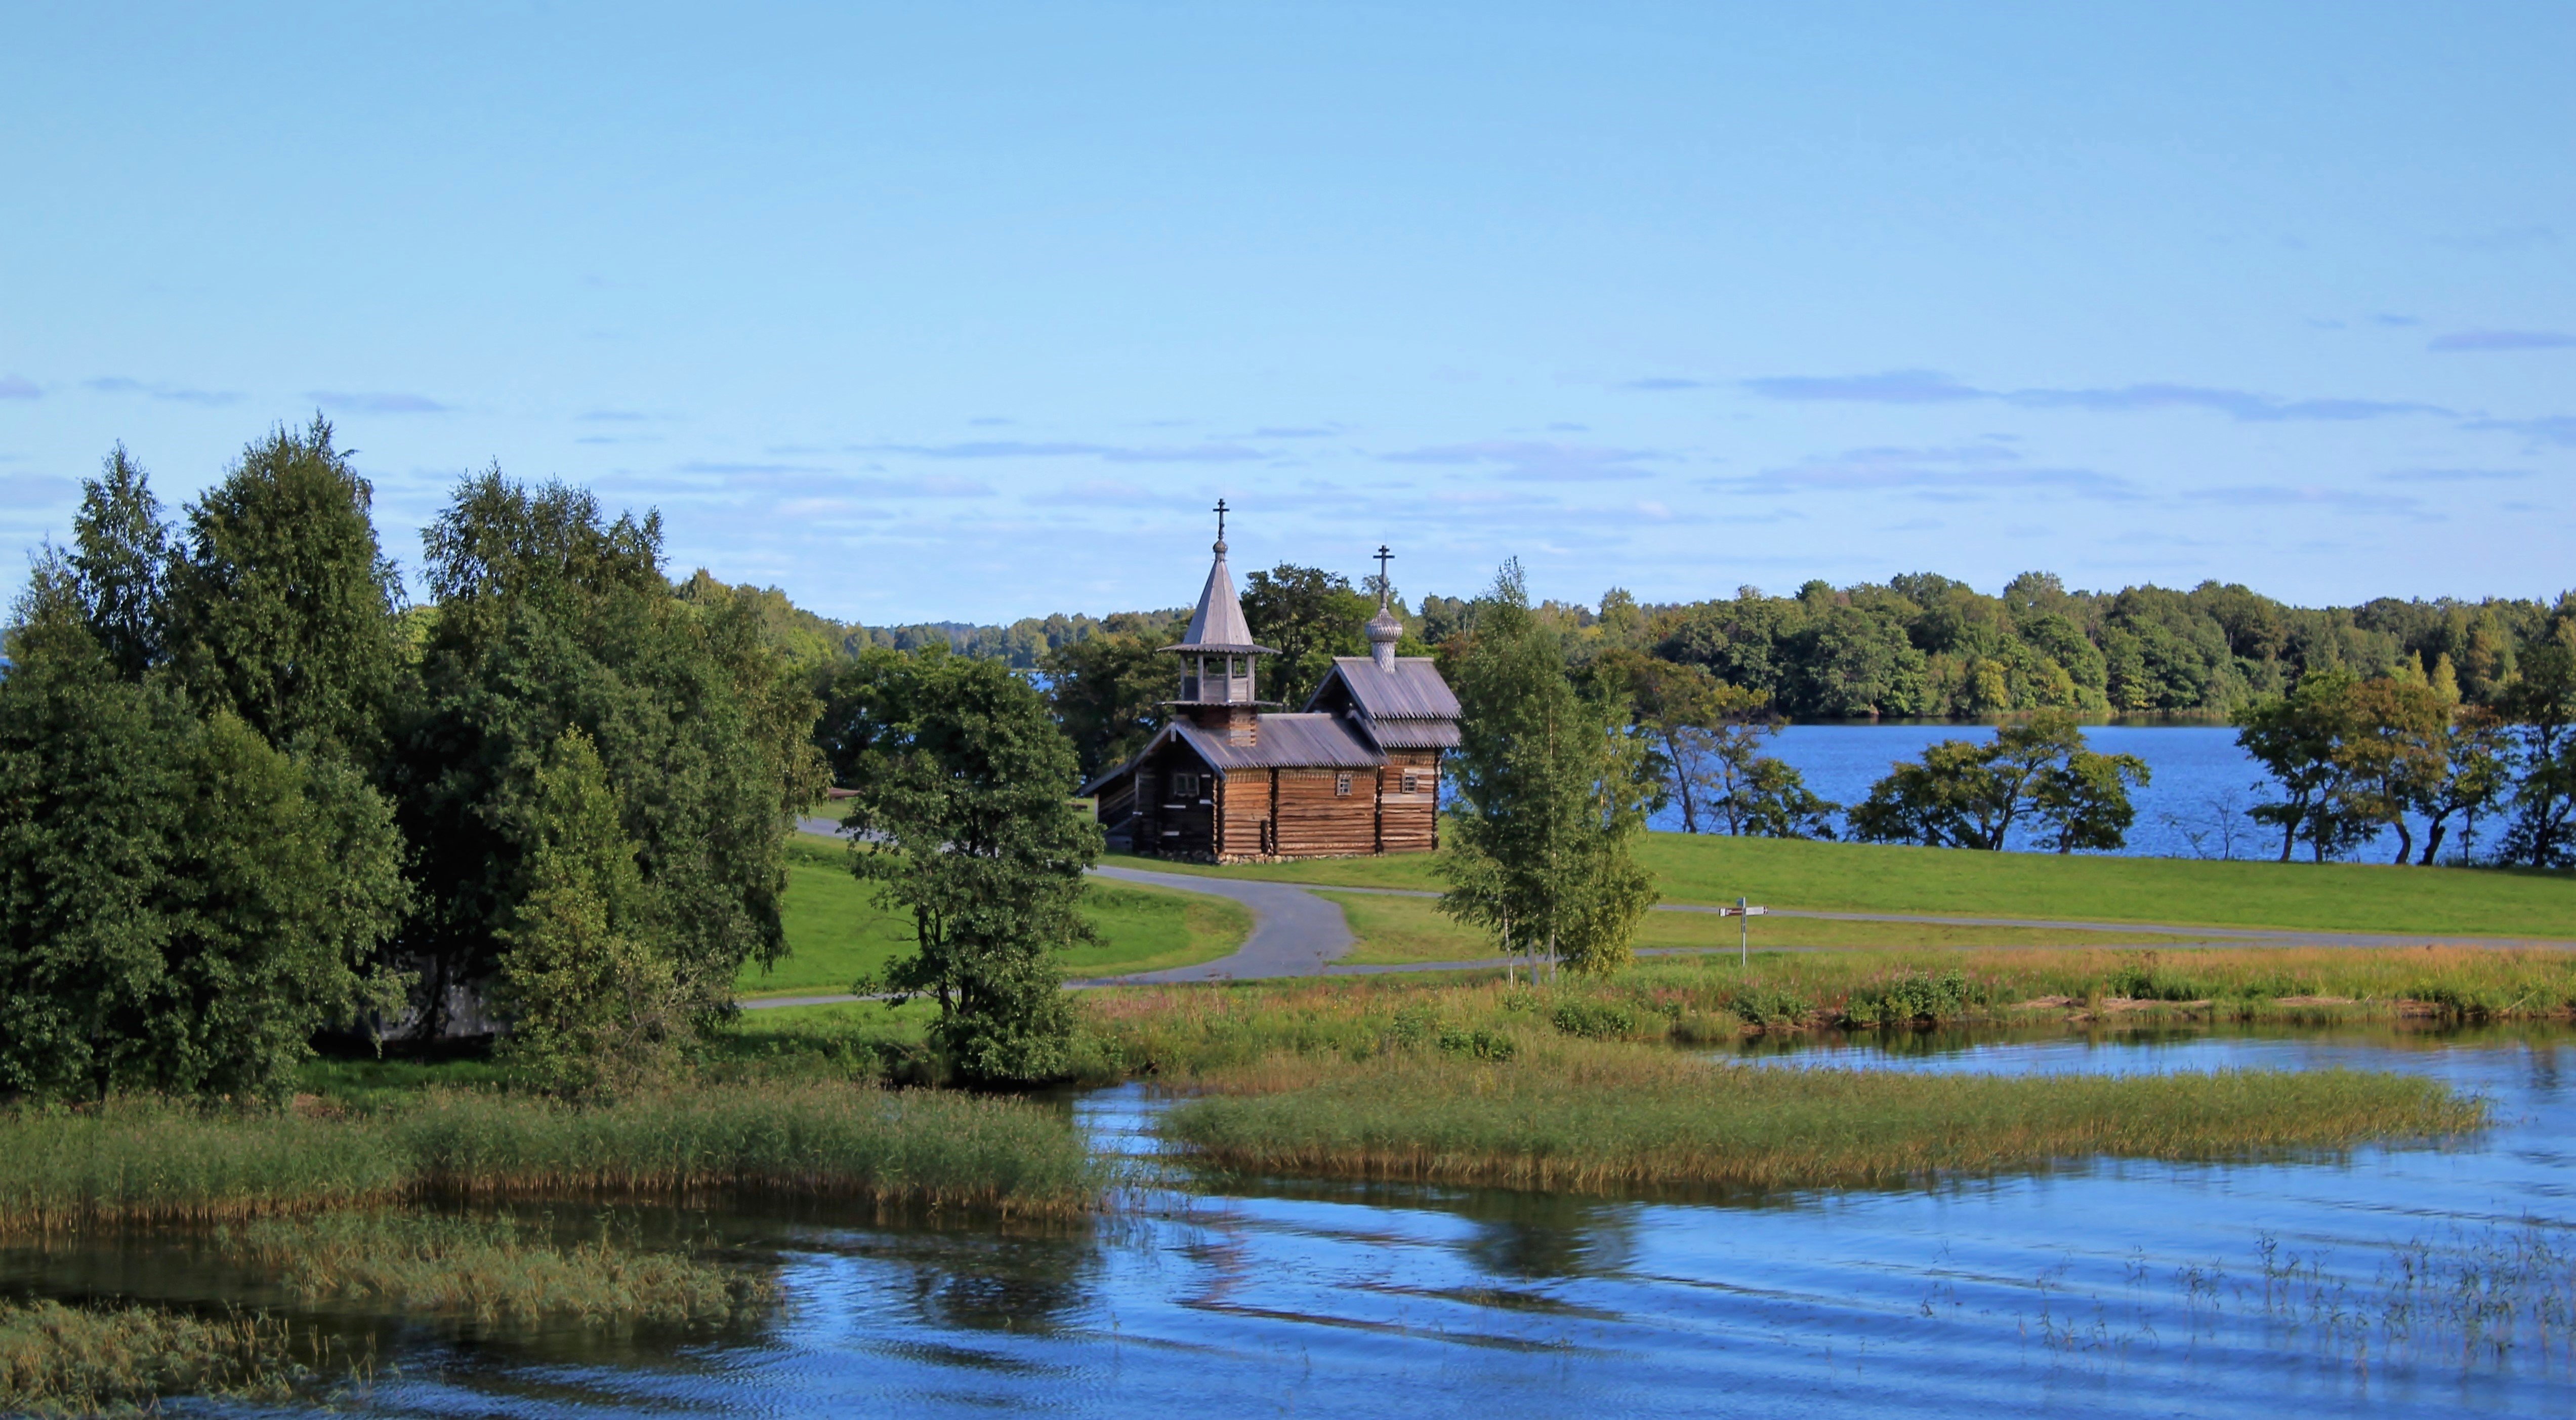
[
  {"x": 1220, "y": 525},
  {"x": 1383, "y": 585}
]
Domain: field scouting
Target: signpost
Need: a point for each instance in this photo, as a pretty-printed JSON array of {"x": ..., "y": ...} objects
[{"x": 1743, "y": 929}]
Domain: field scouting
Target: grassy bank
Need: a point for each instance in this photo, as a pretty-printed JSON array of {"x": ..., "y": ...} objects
[
  {"x": 1187, "y": 1032},
  {"x": 161, "y": 1164},
  {"x": 1401, "y": 931},
  {"x": 1600, "y": 1118},
  {"x": 1856, "y": 877},
  {"x": 836, "y": 933}
]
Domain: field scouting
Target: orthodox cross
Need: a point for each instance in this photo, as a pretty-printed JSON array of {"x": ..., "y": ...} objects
[
  {"x": 1220, "y": 520},
  {"x": 1385, "y": 589}
]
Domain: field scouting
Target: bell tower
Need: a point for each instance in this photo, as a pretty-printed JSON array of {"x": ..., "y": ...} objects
[{"x": 1218, "y": 656}]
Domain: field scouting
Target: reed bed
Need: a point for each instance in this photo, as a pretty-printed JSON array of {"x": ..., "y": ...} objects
[
  {"x": 913, "y": 1147},
  {"x": 490, "y": 1270},
  {"x": 59, "y": 1360},
  {"x": 140, "y": 1164},
  {"x": 147, "y": 1162},
  {"x": 1588, "y": 1118}
]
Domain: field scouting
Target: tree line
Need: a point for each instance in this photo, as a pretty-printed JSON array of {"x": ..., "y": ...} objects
[{"x": 1919, "y": 645}]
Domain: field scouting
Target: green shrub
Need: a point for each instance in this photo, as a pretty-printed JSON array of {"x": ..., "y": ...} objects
[
  {"x": 1908, "y": 997},
  {"x": 1594, "y": 1019},
  {"x": 1478, "y": 1044},
  {"x": 1767, "y": 1005}
]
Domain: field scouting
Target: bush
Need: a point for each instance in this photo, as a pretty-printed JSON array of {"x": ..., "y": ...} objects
[
  {"x": 1772, "y": 1006},
  {"x": 1909, "y": 997},
  {"x": 1594, "y": 1019},
  {"x": 1478, "y": 1044}
]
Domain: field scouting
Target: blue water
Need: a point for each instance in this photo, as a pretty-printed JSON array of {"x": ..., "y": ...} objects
[
  {"x": 2193, "y": 805},
  {"x": 2250, "y": 1289}
]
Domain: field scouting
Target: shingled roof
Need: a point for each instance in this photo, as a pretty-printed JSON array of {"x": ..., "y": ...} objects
[
  {"x": 1218, "y": 625},
  {"x": 1401, "y": 705}
]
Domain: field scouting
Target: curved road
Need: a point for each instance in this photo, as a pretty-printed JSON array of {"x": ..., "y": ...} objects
[{"x": 1296, "y": 933}]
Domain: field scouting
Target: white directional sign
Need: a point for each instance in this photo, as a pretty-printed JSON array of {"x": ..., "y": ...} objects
[{"x": 1743, "y": 930}]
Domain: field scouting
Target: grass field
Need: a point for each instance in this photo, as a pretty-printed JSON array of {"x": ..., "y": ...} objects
[
  {"x": 1578, "y": 1116},
  {"x": 836, "y": 933},
  {"x": 1400, "y": 931},
  {"x": 1853, "y": 877}
]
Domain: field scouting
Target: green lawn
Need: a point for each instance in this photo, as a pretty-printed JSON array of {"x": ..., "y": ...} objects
[
  {"x": 836, "y": 933},
  {"x": 1851, "y": 877},
  {"x": 1399, "y": 931}
]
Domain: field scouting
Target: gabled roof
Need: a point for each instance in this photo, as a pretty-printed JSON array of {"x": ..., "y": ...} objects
[
  {"x": 1413, "y": 690},
  {"x": 1407, "y": 706},
  {"x": 1218, "y": 624}
]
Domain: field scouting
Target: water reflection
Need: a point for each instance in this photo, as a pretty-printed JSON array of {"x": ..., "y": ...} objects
[{"x": 2120, "y": 1289}]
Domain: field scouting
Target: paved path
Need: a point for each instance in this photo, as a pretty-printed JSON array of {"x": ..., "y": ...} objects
[{"x": 1296, "y": 933}]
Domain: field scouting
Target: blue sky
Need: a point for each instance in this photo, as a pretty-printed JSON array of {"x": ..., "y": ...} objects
[{"x": 970, "y": 310}]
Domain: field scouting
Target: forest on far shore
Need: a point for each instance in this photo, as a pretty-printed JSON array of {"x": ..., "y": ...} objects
[{"x": 1917, "y": 646}]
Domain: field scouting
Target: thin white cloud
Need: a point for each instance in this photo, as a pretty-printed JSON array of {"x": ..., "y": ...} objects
[
  {"x": 1532, "y": 460},
  {"x": 175, "y": 394},
  {"x": 1933, "y": 387}
]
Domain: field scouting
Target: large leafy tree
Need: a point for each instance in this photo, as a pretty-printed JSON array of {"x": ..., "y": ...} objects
[
  {"x": 2476, "y": 774},
  {"x": 962, "y": 821},
  {"x": 2541, "y": 703},
  {"x": 2295, "y": 737},
  {"x": 181, "y": 906},
  {"x": 1705, "y": 740},
  {"x": 2394, "y": 751},
  {"x": 282, "y": 609},
  {"x": 1551, "y": 796},
  {"x": 1966, "y": 794},
  {"x": 586, "y": 979},
  {"x": 552, "y": 617}
]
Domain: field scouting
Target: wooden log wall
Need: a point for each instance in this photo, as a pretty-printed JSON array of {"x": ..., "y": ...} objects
[
  {"x": 1246, "y": 814},
  {"x": 1408, "y": 822},
  {"x": 1314, "y": 820}
]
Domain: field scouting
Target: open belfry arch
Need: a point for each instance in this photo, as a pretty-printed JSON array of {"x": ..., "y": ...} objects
[{"x": 1230, "y": 778}]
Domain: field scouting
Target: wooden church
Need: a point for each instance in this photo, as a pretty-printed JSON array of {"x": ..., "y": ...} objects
[{"x": 1230, "y": 779}]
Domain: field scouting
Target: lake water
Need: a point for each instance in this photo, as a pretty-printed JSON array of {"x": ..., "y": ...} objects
[
  {"x": 2249, "y": 1289},
  {"x": 2200, "y": 783}
]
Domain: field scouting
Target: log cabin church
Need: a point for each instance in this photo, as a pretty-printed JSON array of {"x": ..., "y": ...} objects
[{"x": 1355, "y": 772}]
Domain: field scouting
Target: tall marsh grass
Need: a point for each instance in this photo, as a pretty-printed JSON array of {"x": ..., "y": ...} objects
[
  {"x": 490, "y": 1269},
  {"x": 914, "y": 1147},
  {"x": 151, "y": 1163},
  {"x": 1579, "y": 1117},
  {"x": 59, "y": 1360}
]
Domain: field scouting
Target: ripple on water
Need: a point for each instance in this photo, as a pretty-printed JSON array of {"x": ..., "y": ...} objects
[{"x": 2121, "y": 1288}]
